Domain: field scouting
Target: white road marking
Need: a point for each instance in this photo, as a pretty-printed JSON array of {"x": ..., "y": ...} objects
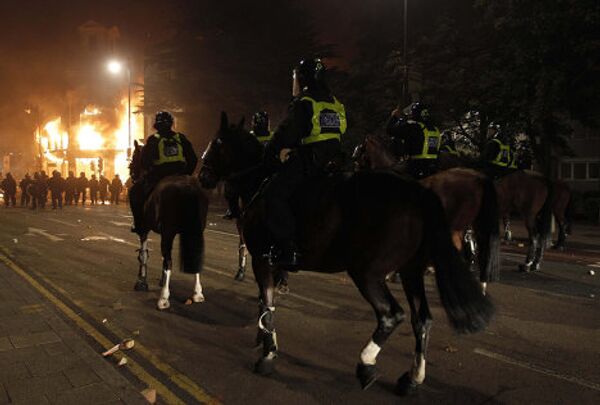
[
  {"x": 538, "y": 369},
  {"x": 120, "y": 223},
  {"x": 62, "y": 222},
  {"x": 108, "y": 237},
  {"x": 44, "y": 233},
  {"x": 291, "y": 294},
  {"x": 127, "y": 216},
  {"x": 222, "y": 233},
  {"x": 597, "y": 265}
]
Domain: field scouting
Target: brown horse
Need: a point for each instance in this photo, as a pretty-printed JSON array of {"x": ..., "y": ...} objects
[
  {"x": 177, "y": 205},
  {"x": 468, "y": 197},
  {"x": 562, "y": 208},
  {"x": 368, "y": 224}
]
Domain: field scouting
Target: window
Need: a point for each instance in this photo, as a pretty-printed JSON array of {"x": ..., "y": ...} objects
[
  {"x": 594, "y": 171},
  {"x": 580, "y": 171},
  {"x": 565, "y": 170}
]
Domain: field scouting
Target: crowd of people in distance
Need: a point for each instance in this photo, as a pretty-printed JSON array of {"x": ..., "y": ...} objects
[{"x": 34, "y": 191}]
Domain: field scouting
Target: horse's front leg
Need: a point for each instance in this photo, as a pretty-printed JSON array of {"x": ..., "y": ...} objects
[
  {"x": 198, "y": 296},
  {"x": 507, "y": 231},
  {"x": 166, "y": 245},
  {"x": 142, "y": 282},
  {"x": 242, "y": 261},
  {"x": 266, "y": 318}
]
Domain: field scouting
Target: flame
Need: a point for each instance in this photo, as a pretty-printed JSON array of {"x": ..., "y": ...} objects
[
  {"x": 89, "y": 138},
  {"x": 55, "y": 138}
]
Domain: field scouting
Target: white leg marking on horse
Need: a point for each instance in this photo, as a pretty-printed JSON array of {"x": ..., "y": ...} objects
[
  {"x": 163, "y": 301},
  {"x": 418, "y": 369},
  {"x": 198, "y": 296},
  {"x": 484, "y": 287},
  {"x": 369, "y": 354}
]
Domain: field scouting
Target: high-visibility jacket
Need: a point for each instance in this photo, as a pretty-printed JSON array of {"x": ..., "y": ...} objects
[
  {"x": 502, "y": 159},
  {"x": 431, "y": 143},
  {"x": 170, "y": 150},
  {"x": 328, "y": 121}
]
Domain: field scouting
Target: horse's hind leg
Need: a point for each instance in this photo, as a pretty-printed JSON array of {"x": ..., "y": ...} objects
[
  {"x": 142, "y": 282},
  {"x": 562, "y": 235},
  {"x": 534, "y": 239},
  {"x": 507, "y": 231},
  {"x": 266, "y": 321},
  {"x": 166, "y": 246},
  {"x": 421, "y": 321},
  {"x": 389, "y": 315},
  {"x": 242, "y": 260}
]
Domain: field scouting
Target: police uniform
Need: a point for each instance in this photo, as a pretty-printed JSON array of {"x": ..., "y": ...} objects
[
  {"x": 497, "y": 157},
  {"x": 313, "y": 130},
  {"x": 422, "y": 144}
]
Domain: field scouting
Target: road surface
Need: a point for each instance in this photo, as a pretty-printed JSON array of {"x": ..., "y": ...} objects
[{"x": 542, "y": 347}]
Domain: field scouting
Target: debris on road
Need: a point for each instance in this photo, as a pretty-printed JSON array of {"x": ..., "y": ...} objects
[
  {"x": 212, "y": 224},
  {"x": 521, "y": 245},
  {"x": 104, "y": 320},
  {"x": 122, "y": 362},
  {"x": 150, "y": 395},
  {"x": 591, "y": 272},
  {"x": 126, "y": 344},
  {"x": 15, "y": 240}
]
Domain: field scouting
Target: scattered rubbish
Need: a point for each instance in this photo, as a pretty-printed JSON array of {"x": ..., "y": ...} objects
[
  {"x": 104, "y": 320},
  {"x": 450, "y": 349},
  {"x": 212, "y": 224},
  {"x": 592, "y": 296},
  {"x": 189, "y": 301},
  {"x": 136, "y": 333},
  {"x": 150, "y": 395},
  {"x": 15, "y": 240},
  {"x": 126, "y": 344},
  {"x": 521, "y": 245},
  {"x": 122, "y": 362},
  {"x": 591, "y": 272},
  {"x": 79, "y": 221}
]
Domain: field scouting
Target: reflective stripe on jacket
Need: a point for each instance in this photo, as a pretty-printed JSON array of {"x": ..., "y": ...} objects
[
  {"x": 502, "y": 159},
  {"x": 431, "y": 143},
  {"x": 328, "y": 121},
  {"x": 170, "y": 150}
]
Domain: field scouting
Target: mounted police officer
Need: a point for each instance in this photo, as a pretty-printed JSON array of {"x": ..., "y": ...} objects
[
  {"x": 262, "y": 131},
  {"x": 166, "y": 153},
  {"x": 420, "y": 140},
  {"x": 307, "y": 143},
  {"x": 497, "y": 153}
]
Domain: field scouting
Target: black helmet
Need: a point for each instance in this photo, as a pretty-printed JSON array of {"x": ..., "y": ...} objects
[
  {"x": 260, "y": 120},
  {"x": 163, "y": 119},
  {"x": 419, "y": 112},
  {"x": 310, "y": 71}
]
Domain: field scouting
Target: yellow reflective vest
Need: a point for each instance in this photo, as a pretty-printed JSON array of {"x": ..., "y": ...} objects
[
  {"x": 170, "y": 150},
  {"x": 328, "y": 121},
  {"x": 502, "y": 159},
  {"x": 431, "y": 143}
]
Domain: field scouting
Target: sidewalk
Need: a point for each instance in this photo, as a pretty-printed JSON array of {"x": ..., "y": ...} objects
[{"x": 44, "y": 360}]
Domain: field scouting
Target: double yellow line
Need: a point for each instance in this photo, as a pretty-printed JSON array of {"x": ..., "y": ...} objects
[{"x": 179, "y": 379}]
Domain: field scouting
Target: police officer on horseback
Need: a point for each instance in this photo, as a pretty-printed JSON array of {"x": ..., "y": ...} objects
[
  {"x": 307, "y": 143},
  {"x": 166, "y": 153},
  {"x": 498, "y": 153},
  {"x": 420, "y": 139},
  {"x": 262, "y": 131}
]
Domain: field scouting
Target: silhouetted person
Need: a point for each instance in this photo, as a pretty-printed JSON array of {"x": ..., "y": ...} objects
[
  {"x": 116, "y": 187},
  {"x": 82, "y": 185},
  {"x": 94, "y": 186},
  {"x": 35, "y": 191},
  {"x": 43, "y": 189},
  {"x": 9, "y": 186},
  {"x": 103, "y": 186},
  {"x": 70, "y": 188},
  {"x": 56, "y": 184},
  {"x": 24, "y": 185}
]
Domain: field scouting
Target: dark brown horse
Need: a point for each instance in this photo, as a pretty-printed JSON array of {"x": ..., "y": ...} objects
[
  {"x": 562, "y": 208},
  {"x": 368, "y": 224},
  {"x": 469, "y": 200},
  {"x": 177, "y": 205}
]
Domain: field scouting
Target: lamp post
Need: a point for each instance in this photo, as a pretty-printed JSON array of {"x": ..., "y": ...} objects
[
  {"x": 405, "y": 55},
  {"x": 115, "y": 67}
]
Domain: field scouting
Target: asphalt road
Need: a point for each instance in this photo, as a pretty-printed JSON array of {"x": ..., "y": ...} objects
[{"x": 542, "y": 347}]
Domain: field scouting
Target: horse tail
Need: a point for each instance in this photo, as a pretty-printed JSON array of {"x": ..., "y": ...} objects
[
  {"x": 191, "y": 239},
  {"x": 468, "y": 310},
  {"x": 544, "y": 217},
  {"x": 488, "y": 233}
]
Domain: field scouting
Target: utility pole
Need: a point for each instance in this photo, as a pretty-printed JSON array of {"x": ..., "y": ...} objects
[{"x": 405, "y": 91}]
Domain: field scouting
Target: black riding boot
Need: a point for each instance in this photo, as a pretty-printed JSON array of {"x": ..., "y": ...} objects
[{"x": 136, "y": 202}]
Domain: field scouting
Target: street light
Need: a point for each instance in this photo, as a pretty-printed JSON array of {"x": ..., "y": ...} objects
[{"x": 115, "y": 67}]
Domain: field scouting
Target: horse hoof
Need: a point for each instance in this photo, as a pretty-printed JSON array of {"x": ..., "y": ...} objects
[
  {"x": 264, "y": 366},
  {"x": 536, "y": 267},
  {"x": 366, "y": 374},
  {"x": 283, "y": 289},
  {"x": 198, "y": 298},
  {"x": 163, "y": 304},
  {"x": 405, "y": 386},
  {"x": 523, "y": 268},
  {"x": 141, "y": 286},
  {"x": 240, "y": 275}
]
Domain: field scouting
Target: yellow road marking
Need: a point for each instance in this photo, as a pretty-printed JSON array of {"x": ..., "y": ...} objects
[{"x": 181, "y": 380}]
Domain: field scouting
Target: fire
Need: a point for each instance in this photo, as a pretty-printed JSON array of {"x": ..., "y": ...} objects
[{"x": 96, "y": 135}]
